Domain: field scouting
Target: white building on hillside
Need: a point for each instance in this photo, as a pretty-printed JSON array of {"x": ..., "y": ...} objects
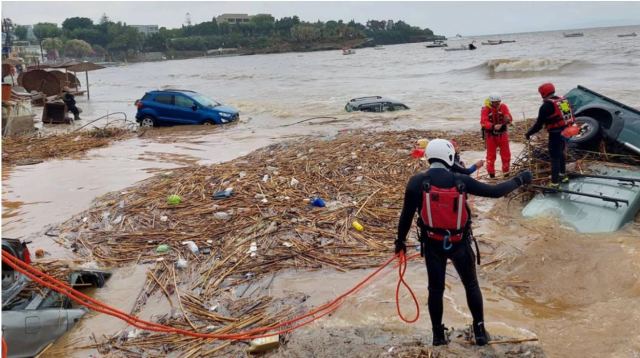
[{"x": 146, "y": 29}]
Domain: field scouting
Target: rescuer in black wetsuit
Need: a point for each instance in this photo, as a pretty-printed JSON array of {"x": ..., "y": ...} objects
[
  {"x": 555, "y": 114},
  {"x": 70, "y": 100},
  {"x": 437, "y": 249}
]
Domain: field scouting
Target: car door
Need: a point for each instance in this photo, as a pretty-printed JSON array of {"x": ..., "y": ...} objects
[
  {"x": 163, "y": 105},
  {"x": 186, "y": 110},
  {"x": 27, "y": 331}
]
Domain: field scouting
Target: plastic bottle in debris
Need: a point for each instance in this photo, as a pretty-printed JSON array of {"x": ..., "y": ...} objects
[
  {"x": 317, "y": 201},
  {"x": 422, "y": 143},
  {"x": 192, "y": 247},
  {"x": 223, "y": 194},
  {"x": 417, "y": 153}
]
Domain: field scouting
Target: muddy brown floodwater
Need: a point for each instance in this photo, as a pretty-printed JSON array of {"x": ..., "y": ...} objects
[{"x": 577, "y": 293}]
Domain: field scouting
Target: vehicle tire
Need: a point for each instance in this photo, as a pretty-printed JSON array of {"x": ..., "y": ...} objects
[
  {"x": 147, "y": 122},
  {"x": 589, "y": 132},
  {"x": 208, "y": 122}
]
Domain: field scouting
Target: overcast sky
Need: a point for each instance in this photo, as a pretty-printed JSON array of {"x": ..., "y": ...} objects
[{"x": 445, "y": 18}]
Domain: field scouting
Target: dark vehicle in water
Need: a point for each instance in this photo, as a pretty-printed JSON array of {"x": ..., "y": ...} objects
[
  {"x": 374, "y": 104},
  {"x": 602, "y": 118},
  {"x": 172, "y": 106},
  {"x": 33, "y": 317}
]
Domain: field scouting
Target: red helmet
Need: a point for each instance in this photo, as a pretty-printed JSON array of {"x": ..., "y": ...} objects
[
  {"x": 546, "y": 89},
  {"x": 455, "y": 145}
]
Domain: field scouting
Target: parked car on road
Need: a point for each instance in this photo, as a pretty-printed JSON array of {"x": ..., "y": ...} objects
[
  {"x": 172, "y": 106},
  {"x": 33, "y": 318},
  {"x": 374, "y": 104},
  {"x": 602, "y": 118}
]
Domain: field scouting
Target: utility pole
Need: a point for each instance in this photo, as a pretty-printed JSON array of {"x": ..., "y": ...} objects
[{"x": 7, "y": 29}]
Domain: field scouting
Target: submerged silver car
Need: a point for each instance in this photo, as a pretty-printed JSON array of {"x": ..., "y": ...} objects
[
  {"x": 33, "y": 318},
  {"x": 374, "y": 104}
]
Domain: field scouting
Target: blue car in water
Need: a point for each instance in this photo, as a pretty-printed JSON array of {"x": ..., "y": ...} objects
[{"x": 172, "y": 106}]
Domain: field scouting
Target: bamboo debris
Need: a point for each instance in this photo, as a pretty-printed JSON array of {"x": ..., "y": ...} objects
[
  {"x": 33, "y": 149},
  {"x": 359, "y": 175}
]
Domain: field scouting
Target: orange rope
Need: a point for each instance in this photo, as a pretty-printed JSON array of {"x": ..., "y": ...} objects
[
  {"x": 402, "y": 268},
  {"x": 276, "y": 329}
]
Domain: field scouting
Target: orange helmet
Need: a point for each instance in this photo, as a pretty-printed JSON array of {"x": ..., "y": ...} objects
[{"x": 546, "y": 89}]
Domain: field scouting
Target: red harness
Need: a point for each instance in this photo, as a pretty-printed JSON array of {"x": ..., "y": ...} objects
[
  {"x": 496, "y": 116},
  {"x": 444, "y": 212},
  {"x": 562, "y": 115}
]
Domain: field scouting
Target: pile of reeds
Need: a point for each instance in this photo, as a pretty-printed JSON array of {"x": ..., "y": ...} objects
[
  {"x": 267, "y": 225},
  {"x": 22, "y": 150}
]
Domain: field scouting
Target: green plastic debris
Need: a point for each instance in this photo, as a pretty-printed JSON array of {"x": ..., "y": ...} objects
[
  {"x": 174, "y": 199},
  {"x": 161, "y": 249}
]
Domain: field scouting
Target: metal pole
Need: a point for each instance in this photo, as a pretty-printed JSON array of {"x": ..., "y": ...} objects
[{"x": 86, "y": 74}]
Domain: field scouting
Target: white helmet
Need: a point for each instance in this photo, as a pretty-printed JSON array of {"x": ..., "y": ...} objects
[
  {"x": 440, "y": 149},
  {"x": 495, "y": 97}
]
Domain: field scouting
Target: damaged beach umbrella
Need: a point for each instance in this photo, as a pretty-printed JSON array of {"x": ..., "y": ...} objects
[{"x": 85, "y": 67}]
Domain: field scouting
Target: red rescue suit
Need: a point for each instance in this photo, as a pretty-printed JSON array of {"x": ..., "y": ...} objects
[{"x": 489, "y": 117}]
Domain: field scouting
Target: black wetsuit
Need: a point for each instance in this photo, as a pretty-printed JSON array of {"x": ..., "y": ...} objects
[
  {"x": 459, "y": 167},
  {"x": 70, "y": 101},
  {"x": 556, "y": 140},
  {"x": 461, "y": 254}
]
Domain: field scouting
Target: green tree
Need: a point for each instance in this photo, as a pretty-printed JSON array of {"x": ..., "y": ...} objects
[
  {"x": 156, "y": 42},
  {"x": 93, "y": 36},
  {"x": 73, "y": 23},
  {"x": 305, "y": 33},
  {"x": 43, "y": 30},
  {"x": 99, "y": 50},
  {"x": 104, "y": 19},
  {"x": 21, "y": 32},
  {"x": 123, "y": 39},
  {"x": 77, "y": 48},
  {"x": 284, "y": 25},
  {"x": 263, "y": 23},
  {"x": 52, "y": 45}
]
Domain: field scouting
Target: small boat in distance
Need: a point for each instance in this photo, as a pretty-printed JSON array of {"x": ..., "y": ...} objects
[
  {"x": 573, "y": 34},
  {"x": 498, "y": 42},
  {"x": 348, "y": 51},
  {"x": 633, "y": 34},
  {"x": 436, "y": 43}
]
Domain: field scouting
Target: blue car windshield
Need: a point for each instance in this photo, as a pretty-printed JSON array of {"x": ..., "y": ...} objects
[{"x": 205, "y": 101}]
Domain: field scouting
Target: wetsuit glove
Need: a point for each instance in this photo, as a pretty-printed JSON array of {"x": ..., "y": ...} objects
[
  {"x": 400, "y": 246},
  {"x": 524, "y": 178}
]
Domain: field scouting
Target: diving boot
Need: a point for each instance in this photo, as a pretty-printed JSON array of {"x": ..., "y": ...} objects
[
  {"x": 76, "y": 117},
  {"x": 481, "y": 334},
  {"x": 564, "y": 178},
  {"x": 506, "y": 175},
  {"x": 492, "y": 175},
  {"x": 439, "y": 336}
]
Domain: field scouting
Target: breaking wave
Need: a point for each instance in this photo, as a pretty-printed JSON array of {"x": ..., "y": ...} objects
[{"x": 528, "y": 65}]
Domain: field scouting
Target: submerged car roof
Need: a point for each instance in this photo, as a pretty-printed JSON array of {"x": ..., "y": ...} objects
[{"x": 371, "y": 99}]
